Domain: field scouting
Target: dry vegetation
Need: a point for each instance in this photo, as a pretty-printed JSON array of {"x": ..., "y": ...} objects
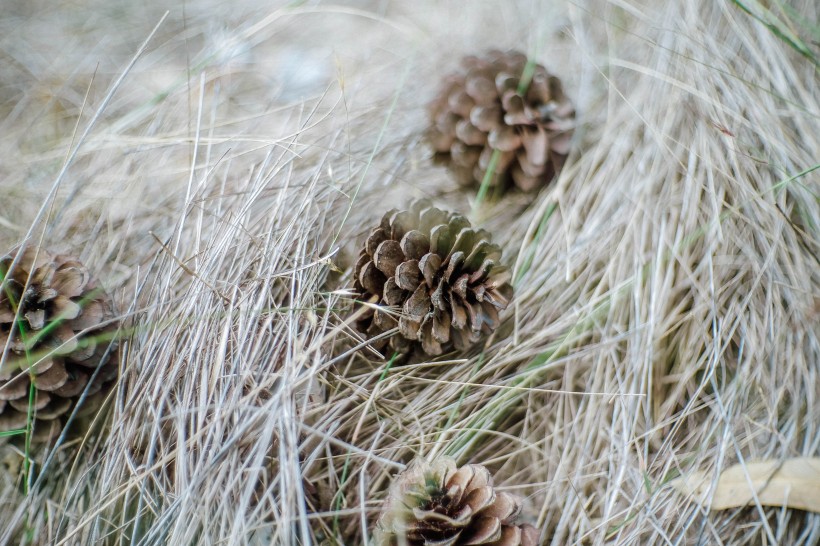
[{"x": 667, "y": 311}]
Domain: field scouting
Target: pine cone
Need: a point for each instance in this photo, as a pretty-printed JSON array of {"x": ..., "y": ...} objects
[
  {"x": 480, "y": 111},
  {"x": 434, "y": 277},
  {"x": 440, "y": 505},
  {"x": 54, "y": 331}
]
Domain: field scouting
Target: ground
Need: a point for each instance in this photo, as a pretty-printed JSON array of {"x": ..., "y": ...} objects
[{"x": 217, "y": 166}]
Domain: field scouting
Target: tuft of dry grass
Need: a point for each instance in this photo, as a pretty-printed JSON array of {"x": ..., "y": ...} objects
[{"x": 667, "y": 310}]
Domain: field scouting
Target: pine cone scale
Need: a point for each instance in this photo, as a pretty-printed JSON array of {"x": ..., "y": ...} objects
[
  {"x": 52, "y": 378},
  {"x": 76, "y": 383},
  {"x": 480, "y": 498},
  {"x": 463, "y": 155},
  {"x": 437, "y": 297},
  {"x": 429, "y": 264},
  {"x": 388, "y": 257},
  {"x": 459, "y": 320},
  {"x": 486, "y": 118},
  {"x": 408, "y": 275},
  {"x": 504, "y": 139},
  {"x": 13, "y": 420},
  {"x": 441, "y": 327},
  {"x": 371, "y": 278},
  {"x": 36, "y": 319},
  {"x": 464, "y": 241},
  {"x": 483, "y": 531},
  {"x": 65, "y": 309},
  {"x": 415, "y": 245},
  {"x": 15, "y": 388},
  {"x": 377, "y": 237},
  {"x": 418, "y": 304},
  {"x": 56, "y": 408},
  {"x": 70, "y": 280},
  {"x": 428, "y": 343},
  {"x": 393, "y": 293},
  {"x": 62, "y": 340},
  {"x": 482, "y": 90},
  {"x": 536, "y": 144}
]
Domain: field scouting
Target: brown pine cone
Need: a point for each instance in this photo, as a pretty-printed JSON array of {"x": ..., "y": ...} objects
[
  {"x": 480, "y": 110},
  {"x": 55, "y": 328},
  {"x": 440, "y": 505},
  {"x": 433, "y": 276}
]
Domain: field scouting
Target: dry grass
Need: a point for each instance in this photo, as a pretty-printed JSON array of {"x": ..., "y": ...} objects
[{"x": 667, "y": 313}]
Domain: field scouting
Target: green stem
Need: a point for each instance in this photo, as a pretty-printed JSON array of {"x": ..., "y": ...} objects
[{"x": 489, "y": 174}]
